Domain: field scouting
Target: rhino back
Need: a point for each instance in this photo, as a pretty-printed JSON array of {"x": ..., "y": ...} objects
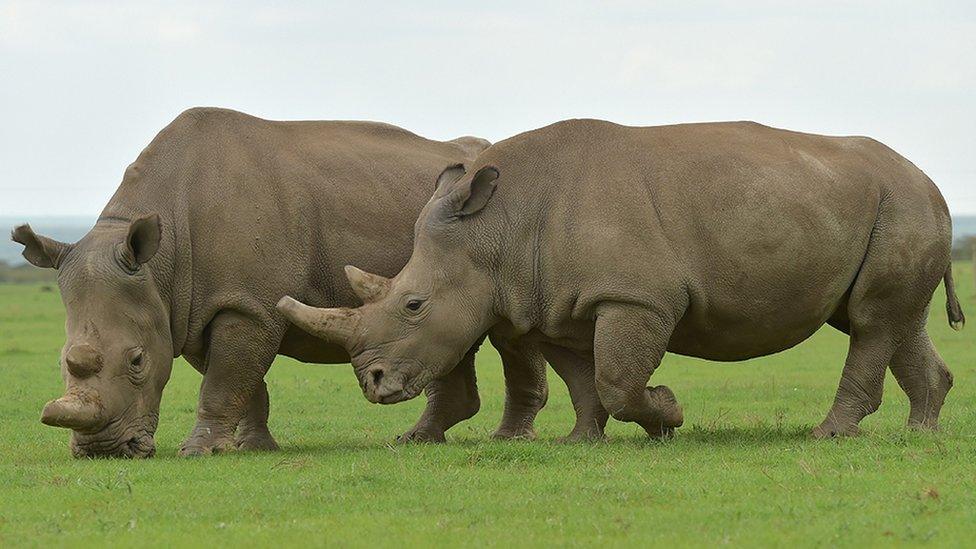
[
  {"x": 764, "y": 229},
  {"x": 260, "y": 209}
]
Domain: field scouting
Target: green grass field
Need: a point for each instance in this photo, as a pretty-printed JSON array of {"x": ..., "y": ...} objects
[{"x": 741, "y": 471}]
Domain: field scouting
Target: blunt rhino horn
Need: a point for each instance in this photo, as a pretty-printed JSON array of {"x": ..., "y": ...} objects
[
  {"x": 83, "y": 361},
  {"x": 76, "y": 410},
  {"x": 334, "y": 325},
  {"x": 369, "y": 287}
]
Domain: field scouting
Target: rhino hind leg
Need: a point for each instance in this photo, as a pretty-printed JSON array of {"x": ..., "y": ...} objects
[
  {"x": 240, "y": 351},
  {"x": 578, "y": 372},
  {"x": 526, "y": 388},
  {"x": 923, "y": 375},
  {"x": 886, "y": 310},
  {"x": 629, "y": 343},
  {"x": 252, "y": 431},
  {"x": 451, "y": 399},
  {"x": 860, "y": 389},
  {"x": 920, "y": 372}
]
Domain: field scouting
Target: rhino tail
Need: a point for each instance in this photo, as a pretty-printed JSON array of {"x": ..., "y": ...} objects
[{"x": 956, "y": 319}]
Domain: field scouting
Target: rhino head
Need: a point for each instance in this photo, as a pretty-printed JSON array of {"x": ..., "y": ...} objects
[
  {"x": 418, "y": 325},
  {"x": 118, "y": 352}
]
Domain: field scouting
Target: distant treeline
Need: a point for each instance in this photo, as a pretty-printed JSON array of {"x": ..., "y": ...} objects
[
  {"x": 964, "y": 248},
  {"x": 26, "y": 274}
]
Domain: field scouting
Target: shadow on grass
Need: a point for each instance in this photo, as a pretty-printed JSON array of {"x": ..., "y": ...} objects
[
  {"x": 727, "y": 436},
  {"x": 695, "y": 435},
  {"x": 757, "y": 434},
  {"x": 392, "y": 445},
  {"x": 767, "y": 435}
]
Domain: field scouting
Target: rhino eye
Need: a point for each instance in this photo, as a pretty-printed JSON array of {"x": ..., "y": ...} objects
[
  {"x": 135, "y": 358},
  {"x": 414, "y": 304}
]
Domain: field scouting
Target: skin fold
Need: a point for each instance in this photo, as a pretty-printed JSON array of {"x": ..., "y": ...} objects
[
  {"x": 608, "y": 246},
  {"x": 217, "y": 218}
]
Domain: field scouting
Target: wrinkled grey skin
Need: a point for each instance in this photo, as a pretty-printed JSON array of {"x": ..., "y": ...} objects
[
  {"x": 609, "y": 245},
  {"x": 218, "y": 217}
]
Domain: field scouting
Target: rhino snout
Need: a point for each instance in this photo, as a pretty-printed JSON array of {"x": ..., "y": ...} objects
[{"x": 381, "y": 387}]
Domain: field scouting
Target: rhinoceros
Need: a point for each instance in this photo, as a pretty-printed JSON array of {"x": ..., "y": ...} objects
[
  {"x": 217, "y": 218},
  {"x": 609, "y": 245}
]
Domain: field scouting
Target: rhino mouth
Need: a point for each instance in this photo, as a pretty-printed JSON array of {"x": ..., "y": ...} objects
[
  {"x": 386, "y": 384},
  {"x": 388, "y": 395},
  {"x": 407, "y": 389},
  {"x": 399, "y": 396},
  {"x": 132, "y": 440}
]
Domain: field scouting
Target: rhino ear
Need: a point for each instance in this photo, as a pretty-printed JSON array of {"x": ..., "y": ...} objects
[
  {"x": 40, "y": 250},
  {"x": 448, "y": 176},
  {"x": 475, "y": 195},
  {"x": 142, "y": 242}
]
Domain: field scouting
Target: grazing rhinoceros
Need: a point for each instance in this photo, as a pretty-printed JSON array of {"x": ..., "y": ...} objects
[
  {"x": 221, "y": 215},
  {"x": 609, "y": 245}
]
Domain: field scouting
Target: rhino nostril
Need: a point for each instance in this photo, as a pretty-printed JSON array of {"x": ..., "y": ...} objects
[{"x": 376, "y": 376}]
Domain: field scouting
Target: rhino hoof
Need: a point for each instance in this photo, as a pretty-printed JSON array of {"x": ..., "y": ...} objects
[
  {"x": 662, "y": 433},
  {"x": 194, "y": 451},
  {"x": 256, "y": 442},
  {"x": 924, "y": 424},
  {"x": 196, "y": 447},
  {"x": 517, "y": 433},
  {"x": 582, "y": 437},
  {"x": 422, "y": 435},
  {"x": 666, "y": 411},
  {"x": 829, "y": 430}
]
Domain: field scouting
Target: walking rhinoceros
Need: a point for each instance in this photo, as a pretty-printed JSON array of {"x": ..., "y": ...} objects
[
  {"x": 609, "y": 245},
  {"x": 221, "y": 215}
]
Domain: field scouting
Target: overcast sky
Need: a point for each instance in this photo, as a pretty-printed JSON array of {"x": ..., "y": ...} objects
[{"x": 85, "y": 86}]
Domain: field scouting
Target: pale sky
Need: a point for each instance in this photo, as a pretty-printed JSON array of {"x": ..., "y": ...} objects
[{"x": 85, "y": 86}]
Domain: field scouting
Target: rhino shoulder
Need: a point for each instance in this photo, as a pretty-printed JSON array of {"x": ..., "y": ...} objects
[{"x": 200, "y": 125}]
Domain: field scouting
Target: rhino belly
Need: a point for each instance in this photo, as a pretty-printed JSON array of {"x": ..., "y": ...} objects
[
  {"x": 743, "y": 339},
  {"x": 762, "y": 307}
]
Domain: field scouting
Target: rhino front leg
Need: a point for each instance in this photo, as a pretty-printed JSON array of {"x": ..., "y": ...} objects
[
  {"x": 239, "y": 353},
  {"x": 451, "y": 399},
  {"x": 629, "y": 343},
  {"x": 526, "y": 388},
  {"x": 577, "y": 371},
  {"x": 253, "y": 432},
  {"x": 454, "y": 398}
]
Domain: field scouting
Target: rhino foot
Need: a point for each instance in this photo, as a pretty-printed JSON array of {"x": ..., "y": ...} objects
[
  {"x": 521, "y": 432},
  {"x": 832, "y": 429},
  {"x": 583, "y": 436},
  {"x": 203, "y": 442},
  {"x": 192, "y": 450},
  {"x": 924, "y": 424},
  {"x": 256, "y": 441},
  {"x": 424, "y": 434},
  {"x": 668, "y": 413}
]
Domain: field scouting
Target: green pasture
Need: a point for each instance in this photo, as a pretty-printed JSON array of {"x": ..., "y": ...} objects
[{"x": 742, "y": 471}]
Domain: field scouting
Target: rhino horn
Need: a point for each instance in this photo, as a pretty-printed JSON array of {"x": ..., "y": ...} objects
[
  {"x": 83, "y": 361},
  {"x": 369, "y": 287},
  {"x": 334, "y": 325},
  {"x": 75, "y": 410}
]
